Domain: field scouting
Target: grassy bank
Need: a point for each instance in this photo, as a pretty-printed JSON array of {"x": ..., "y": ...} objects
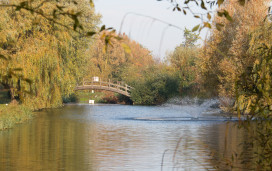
[
  {"x": 85, "y": 96},
  {"x": 13, "y": 114},
  {"x": 97, "y": 96}
]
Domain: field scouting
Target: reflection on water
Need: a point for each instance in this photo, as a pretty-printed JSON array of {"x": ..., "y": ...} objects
[{"x": 101, "y": 137}]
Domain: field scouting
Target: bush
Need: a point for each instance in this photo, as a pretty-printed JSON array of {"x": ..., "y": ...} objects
[
  {"x": 13, "y": 114},
  {"x": 72, "y": 98},
  {"x": 156, "y": 88}
]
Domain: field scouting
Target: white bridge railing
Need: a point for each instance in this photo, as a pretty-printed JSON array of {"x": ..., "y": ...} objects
[{"x": 118, "y": 87}]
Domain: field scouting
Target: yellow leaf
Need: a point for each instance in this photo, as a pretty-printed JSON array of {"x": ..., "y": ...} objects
[
  {"x": 126, "y": 48},
  {"x": 209, "y": 16},
  {"x": 220, "y": 2}
]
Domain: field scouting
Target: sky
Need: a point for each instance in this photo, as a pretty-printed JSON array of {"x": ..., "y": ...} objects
[{"x": 146, "y": 31}]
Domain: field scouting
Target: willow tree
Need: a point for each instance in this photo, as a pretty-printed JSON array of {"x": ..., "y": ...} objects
[
  {"x": 45, "y": 58},
  {"x": 184, "y": 61}
]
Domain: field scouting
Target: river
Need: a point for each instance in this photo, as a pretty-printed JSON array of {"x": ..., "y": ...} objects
[{"x": 84, "y": 137}]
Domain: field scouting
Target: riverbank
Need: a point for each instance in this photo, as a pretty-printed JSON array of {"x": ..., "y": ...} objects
[
  {"x": 98, "y": 97},
  {"x": 12, "y": 114}
]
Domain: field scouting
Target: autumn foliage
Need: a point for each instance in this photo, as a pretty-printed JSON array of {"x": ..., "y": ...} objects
[
  {"x": 225, "y": 55},
  {"x": 43, "y": 61},
  {"x": 122, "y": 59}
]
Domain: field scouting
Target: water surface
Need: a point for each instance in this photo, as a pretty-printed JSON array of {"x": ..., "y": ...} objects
[{"x": 121, "y": 137}]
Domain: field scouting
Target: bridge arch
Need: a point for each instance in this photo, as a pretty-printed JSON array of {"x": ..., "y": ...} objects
[{"x": 117, "y": 87}]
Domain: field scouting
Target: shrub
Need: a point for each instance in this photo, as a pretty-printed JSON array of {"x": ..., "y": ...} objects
[
  {"x": 156, "y": 88},
  {"x": 13, "y": 114}
]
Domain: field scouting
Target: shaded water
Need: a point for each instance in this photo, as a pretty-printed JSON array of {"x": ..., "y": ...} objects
[{"x": 119, "y": 137}]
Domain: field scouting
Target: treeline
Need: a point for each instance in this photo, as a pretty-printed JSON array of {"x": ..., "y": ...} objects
[
  {"x": 154, "y": 81},
  {"x": 235, "y": 62},
  {"x": 130, "y": 62},
  {"x": 44, "y": 61},
  {"x": 175, "y": 76},
  {"x": 125, "y": 60}
]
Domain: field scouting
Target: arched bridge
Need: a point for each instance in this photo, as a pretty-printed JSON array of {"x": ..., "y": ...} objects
[{"x": 117, "y": 87}]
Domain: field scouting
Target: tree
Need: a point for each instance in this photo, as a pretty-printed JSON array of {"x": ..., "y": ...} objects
[
  {"x": 190, "y": 38},
  {"x": 49, "y": 56},
  {"x": 157, "y": 85},
  {"x": 116, "y": 63},
  {"x": 223, "y": 57},
  {"x": 184, "y": 61}
]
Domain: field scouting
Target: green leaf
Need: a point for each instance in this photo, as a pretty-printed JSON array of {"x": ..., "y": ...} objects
[
  {"x": 220, "y": 14},
  {"x": 17, "y": 69},
  {"x": 226, "y": 14},
  {"x": 24, "y": 3},
  {"x": 54, "y": 13},
  {"x": 91, "y": 3},
  {"x": 78, "y": 14},
  {"x": 219, "y": 26},
  {"x": 18, "y": 8},
  {"x": 28, "y": 80},
  {"x": 102, "y": 28},
  {"x": 196, "y": 28},
  {"x": 107, "y": 40},
  {"x": 76, "y": 24},
  {"x": 60, "y": 7},
  {"x": 242, "y": 2},
  {"x": 91, "y": 33},
  {"x": 3, "y": 57},
  {"x": 118, "y": 38}
]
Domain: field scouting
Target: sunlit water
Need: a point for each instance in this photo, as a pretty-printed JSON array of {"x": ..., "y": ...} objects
[{"x": 121, "y": 137}]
